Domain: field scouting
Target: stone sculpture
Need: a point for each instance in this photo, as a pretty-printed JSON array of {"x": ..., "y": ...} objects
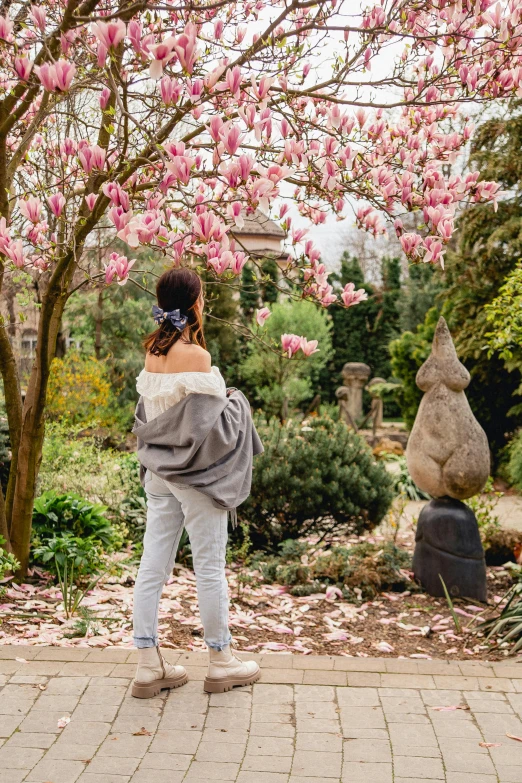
[
  {"x": 448, "y": 457},
  {"x": 355, "y": 375}
]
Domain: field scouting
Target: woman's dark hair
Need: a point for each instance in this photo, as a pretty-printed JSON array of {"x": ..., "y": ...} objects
[{"x": 177, "y": 289}]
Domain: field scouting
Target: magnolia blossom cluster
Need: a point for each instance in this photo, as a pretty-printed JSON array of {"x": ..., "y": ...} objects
[
  {"x": 176, "y": 129},
  {"x": 292, "y": 343}
]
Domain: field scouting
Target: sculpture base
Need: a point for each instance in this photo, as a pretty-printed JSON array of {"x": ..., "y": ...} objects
[{"x": 448, "y": 543}]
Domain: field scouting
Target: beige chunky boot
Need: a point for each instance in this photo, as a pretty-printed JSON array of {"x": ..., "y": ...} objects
[
  {"x": 154, "y": 674},
  {"x": 226, "y": 671}
]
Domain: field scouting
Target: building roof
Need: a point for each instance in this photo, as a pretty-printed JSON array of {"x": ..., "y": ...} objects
[{"x": 259, "y": 223}]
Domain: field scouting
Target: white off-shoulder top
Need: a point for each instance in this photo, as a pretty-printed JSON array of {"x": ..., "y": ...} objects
[{"x": 161, "y": 391}]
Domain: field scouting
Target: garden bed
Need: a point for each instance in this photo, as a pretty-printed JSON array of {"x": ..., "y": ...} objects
[{"x": 263, "y": 618}]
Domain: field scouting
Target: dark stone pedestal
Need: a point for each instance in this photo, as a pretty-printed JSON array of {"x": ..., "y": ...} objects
[{"x": 448, "y": 543}]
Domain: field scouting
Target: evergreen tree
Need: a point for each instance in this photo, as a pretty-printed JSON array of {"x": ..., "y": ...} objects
[{"x": 249, "y": 294}]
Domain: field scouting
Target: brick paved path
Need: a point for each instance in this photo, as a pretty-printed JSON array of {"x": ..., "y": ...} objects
[{"x": 310, "y": 720}]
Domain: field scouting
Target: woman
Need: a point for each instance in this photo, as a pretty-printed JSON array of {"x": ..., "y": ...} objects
[{"x": 195, "y": 446}]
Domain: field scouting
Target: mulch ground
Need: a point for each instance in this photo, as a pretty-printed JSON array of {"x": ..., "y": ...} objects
[{"x": 263, "y": 618}]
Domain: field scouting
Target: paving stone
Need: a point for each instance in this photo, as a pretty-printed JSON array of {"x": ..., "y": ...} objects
[
  {"x": 363, "y": 679},
  {"x": 416, "y": 767},
  {"x": 108, "y": 655},
  {"x": 86, "y": 733},
  {"x": 183, "y": 721},
  {"x": 318, "y": 726},
  {"x": 74, "y": 751},
  {"x": 266, "y": 763},
  {"x": 10, "y": 651},
  {"x": 360, "y": 664},
  {"x": 14, "y": 706},
  {"x": 317, "y": 677},
  {"x": 461, "y": 728},
  {"x": 59, "y": 654},
  {"x": 316, "y": 709},
  {"x": 205, "y": 770},
  {"x": 224, "y": 718},
  {"x": 57, "y": 771},
  {"x": 362, "y": 717},
  {"x": 314, "y": 763},
  {"x": 56, "y": 703},
  {"x": 314, "y": 662},
  {"x": 235, "y": 737},
  {"x": 468, "y": 762},
  {"x": 278, "y": 661},
  {"x": 269, "y": 746},
  {"x": 191, "y": 702},
  {"x": 46, "y": 722},
  {"x": 103, "y": 712},
  {"x": 125, "y": 745},
  {"x": 237, "y": 698},
  {"x": 126, "y": 724},
  {"x": 328, "y": 743},
  {"x": 412, "y": 734},
  {"x": 403, "y": 749},
  {"x": 496, "y": 684},
  {"x": 407, "y": 681},
  {"x": 409, "y": 704},
  {"x": 83, "y": 669},
  {"x": 23, "y": 740},
  {"x": 97, "y": 778},
  {"x": 460, "y": 777},
  {"x": 9, "y": 723},
  {"x": 156, "y": 776},
  {"x": 509, "y": 774},
  {"x": 175, "y": 742},
  {"x": 272, "y": 730},
  {"x": 358, "y": 697},
  {"x": 111, "y": 696},
  {"x": 489, "y": 705},
  {"x": 169, "y": 761},
  {"x": 370, "y": 734},
  {"x": 19, "y": 758},
  {"x": 12, "y": 775},
  {"x": 359, "y": 772},
  {"x": 265, "y": 777},
  {"x": 112, "y": 765},
  {"x": 362, "y": 750},
  {"x": 282, "y": 675},
  {"x": 456, "y": 683},
  {"x": 272, "y": 694},
  {"x": 215, "y": 751},
  {"x": 67, "y": 686}
]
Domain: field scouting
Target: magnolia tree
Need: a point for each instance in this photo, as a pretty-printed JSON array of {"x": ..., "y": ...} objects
[{"x": 171, "y": 121}]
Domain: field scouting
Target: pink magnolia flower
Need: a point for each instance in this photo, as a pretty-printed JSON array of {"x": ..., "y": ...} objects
[
  {"x": 291, "y": 344},
  {"x": 231, "y": 137},
  {"x": 118, "y": 197},
  {"x": 118, "y": 267},
  {"x": 221, "y": 261},
  {"x": 5, "y": 238},
  {"x": 235, "y": 211},
  {"x": 92, "y": 157},
  {"x": 56, "y": 203},
  {"x": 31, "y": 208},
  {"x": 161, "y": 55},
  {"x": 38, "y": 16},
  {"x": 90, "y": 200},
  {"x": 238, "y": 262},
  {"x": 186, "y": 48},
  {"x": 170, "y": 90},
  {"x": 261, "y": 315},
  {"x": 6, "y": 27},
  {"x": 433, "y": 253},
  {"x": 23, "y": 67},
  {"x": 352, "y": 297},
  {"x": 410, "y": 243},
  {"x": 15, "y": 251},
  {"x": 181, "y": 166},
  {"x": 104, "y": 97},
  {"x": 56, "y": 77},
  {"x": 109, "y": 34},
  {"x": 68, "y": 147},
  {"x": 309, "y": 347}
]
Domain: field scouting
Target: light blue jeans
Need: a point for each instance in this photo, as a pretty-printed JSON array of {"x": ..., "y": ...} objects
[{"x": 169, "y": 509}]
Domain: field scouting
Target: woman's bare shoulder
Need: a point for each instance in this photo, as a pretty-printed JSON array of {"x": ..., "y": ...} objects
[{"x": 187, "y": 357}]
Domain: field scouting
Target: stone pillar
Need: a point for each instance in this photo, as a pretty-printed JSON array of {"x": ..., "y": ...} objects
[
  {"x": 377, "y": 409},
  {"x": 448, "y": 457},
  {"x": 355, "y": 375}
]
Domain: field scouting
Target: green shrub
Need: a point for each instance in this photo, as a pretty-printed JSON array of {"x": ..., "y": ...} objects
[
  {"x": 315, "y": 476},
  {"x": 54, "y": 515},
  {"x": 76, "y": 464}
]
